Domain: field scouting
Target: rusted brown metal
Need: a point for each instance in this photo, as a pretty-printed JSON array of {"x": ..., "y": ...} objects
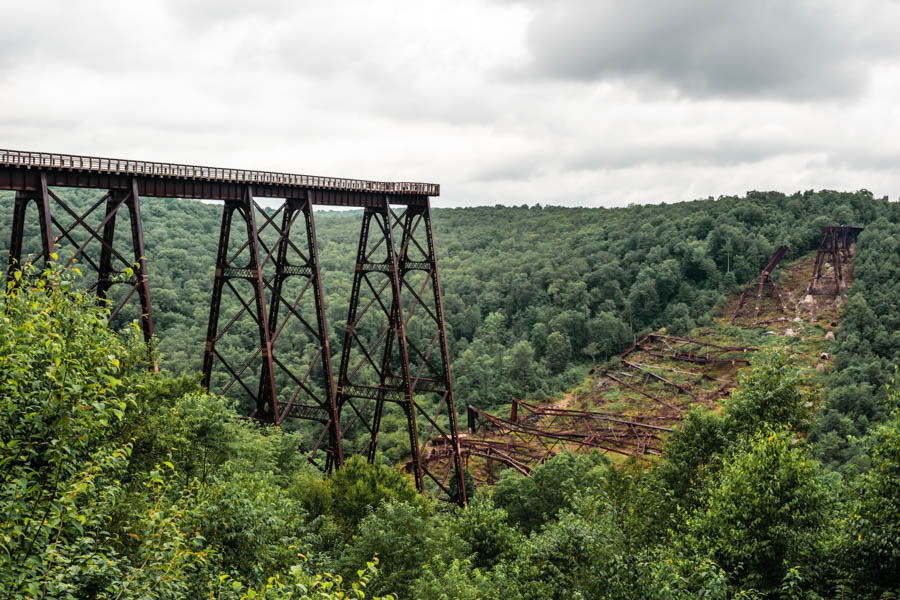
[
  {"x": 533, "y": 434},
  {"x": 640, "y": 386},
  {"x": 645, "y": 369},
  {"x": 80, "y": 236},
  {"x": 688, "y": 350},
  {"x": 230, "y": 270},
  {"x": 764, "y": 288},
  {"x": 395, "y": 367},
  {"x": 381, "y": 363},
  {"x": 21, "y": 170},
  {"x": 834, "y": 248}
]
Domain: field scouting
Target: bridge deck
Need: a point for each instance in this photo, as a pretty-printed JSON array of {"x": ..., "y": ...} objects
[{"x": 21, "y": 171}]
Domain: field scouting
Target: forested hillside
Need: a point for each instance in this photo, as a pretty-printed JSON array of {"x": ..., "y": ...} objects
[
  {"x": 120, "y": 484},
  {"x": 531, "y": 294}
]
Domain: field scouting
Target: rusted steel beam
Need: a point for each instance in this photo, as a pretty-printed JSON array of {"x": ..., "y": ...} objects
[
  {"x": 635, "y": 388},
  {"x": 20, "y": 170},
  {"x": 588, "y": 437},
  {"x": 765, "y": 283},
  {"x": 687, "y": 350},
  {"x": 659, "y": 378},
  {"x": 585, "y": 414}
]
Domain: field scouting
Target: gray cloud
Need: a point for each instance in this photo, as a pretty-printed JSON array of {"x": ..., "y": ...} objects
[
  {"x": 607, "y": 156},
  {"x": 801, "y": 49},
  {"x": 614, "y": 102}
]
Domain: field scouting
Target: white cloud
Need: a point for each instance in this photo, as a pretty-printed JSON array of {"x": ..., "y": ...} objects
[{"x": 459, "y": 93}]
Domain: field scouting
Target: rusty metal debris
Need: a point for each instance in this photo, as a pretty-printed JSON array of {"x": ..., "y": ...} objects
[
  {"x": 685, "y": 349},
  {"x": 533, "y": 434},
  {"x": 645, "y": 369},
  {"x": 766, "y": 289}
]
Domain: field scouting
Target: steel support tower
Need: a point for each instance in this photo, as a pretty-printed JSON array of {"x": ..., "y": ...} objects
[
  {"x": 267, "y": 281},
  {"x": 834, "y": 248}
]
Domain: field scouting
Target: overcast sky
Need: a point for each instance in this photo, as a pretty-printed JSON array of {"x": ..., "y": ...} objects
[{"x": 584, "y": 102}]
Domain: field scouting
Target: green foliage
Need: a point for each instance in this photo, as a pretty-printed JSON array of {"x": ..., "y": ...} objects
[
  {"x": 693, "y": 454},
  {"x": 531, "y": 502},
  {"x": 764, "y": 512},
  {"x": 485, "y": 530},
  {"x": 400, "y": 535},
  {"x": 873, "y": 525},
  {"x": 66, "y": 385},
  {"x": 768, "y": 395},
  {"x": 359, "y": 487},
  {"x": 867, "y": 350},
  {"x": 118, "y": 484},
  {"x": 297, "y": 585}
]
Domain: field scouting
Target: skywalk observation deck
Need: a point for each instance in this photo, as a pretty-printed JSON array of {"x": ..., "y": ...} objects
[{"x": 20, "y": 170}]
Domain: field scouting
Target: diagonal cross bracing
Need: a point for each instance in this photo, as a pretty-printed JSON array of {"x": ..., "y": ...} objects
[{"x": 267, "y": 285}]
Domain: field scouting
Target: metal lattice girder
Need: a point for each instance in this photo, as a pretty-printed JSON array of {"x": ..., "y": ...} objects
[
  {"x": 688, "y": 350},
  {"x": 533, "y": 434},
  {"x": 765, "y": 287},
  {"x": 665, "y": 383},
  {"x": 834, "y": 247},
  {"x": 395, "y": 345},
  {"x": 282, "y": 381},
  {"x": 82, "y": 234},
  {"x": 231, "y": 270}
]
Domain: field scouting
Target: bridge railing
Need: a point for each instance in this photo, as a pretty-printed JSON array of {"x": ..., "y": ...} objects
[{"x": 44, "y": 160}]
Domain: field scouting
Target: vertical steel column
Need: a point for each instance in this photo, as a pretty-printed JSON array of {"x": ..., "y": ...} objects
[
  {"x": 335, "y": 450},
  {"x": 104, "y": 276},
  {"x": 266, "y": 404},
  {"x": 447, "y": 378},
  {"x": 324, "y": 410},
  {"x": 42, "y": 200},
  {"x": 821, "y": 251},
  {"x": 344, "y": 393},
  {"x": 403, "y": 383},
  {"x": 834, "y": 243},
  {"x": 837, "y": 259},
  {"x": 139, "y": 280},
  {"x": 140, "y": 262},
  {"x": 391, "y": 386},
  {"x": 17, "y": 234}
]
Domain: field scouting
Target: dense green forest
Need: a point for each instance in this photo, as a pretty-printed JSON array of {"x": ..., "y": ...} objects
[{"x": 118, "y": 484}]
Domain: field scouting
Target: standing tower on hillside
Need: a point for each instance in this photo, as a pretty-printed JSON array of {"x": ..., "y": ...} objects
[{"x": 834, "y": 249}]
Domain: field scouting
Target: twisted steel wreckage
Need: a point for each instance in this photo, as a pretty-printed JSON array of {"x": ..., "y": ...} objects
[
  {"x": 394, "y": 352},
  {"x": 670, "y": 374}
]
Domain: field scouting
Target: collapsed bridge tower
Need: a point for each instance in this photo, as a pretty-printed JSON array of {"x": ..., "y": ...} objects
[{"x": 267, "y": 282}]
